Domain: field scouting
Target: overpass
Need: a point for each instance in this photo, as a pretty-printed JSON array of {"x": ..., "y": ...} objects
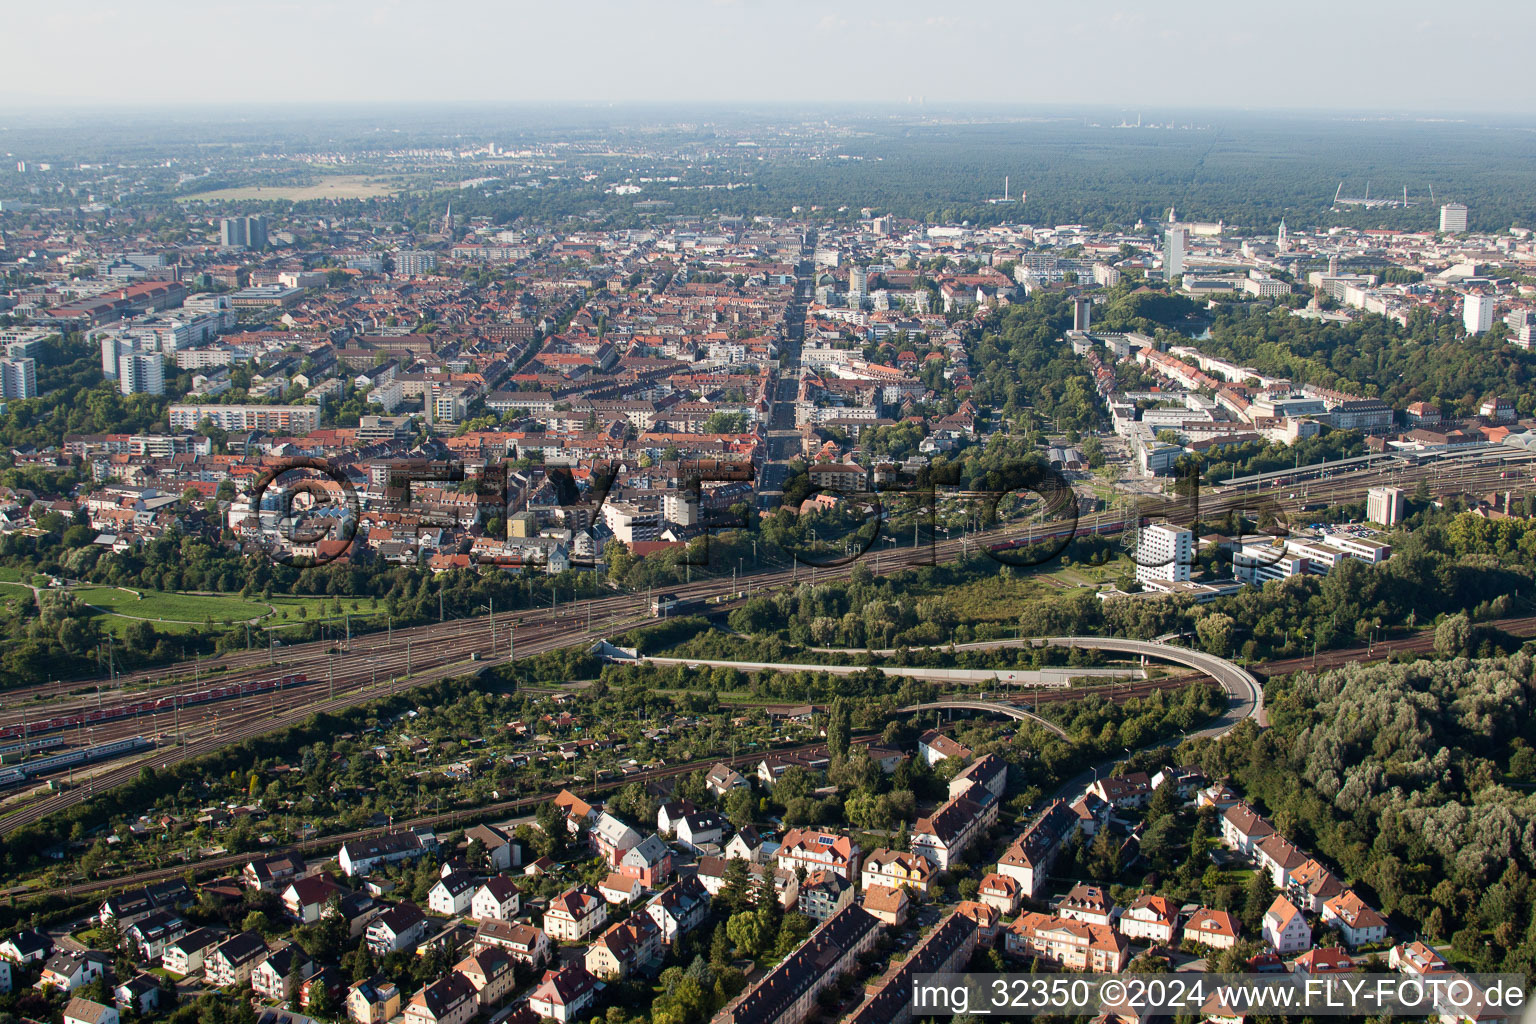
[
  {"x": 989, "y": 706},
  {"x": 1046, "y": 678},
  {"x": 1245, "y": 697}
]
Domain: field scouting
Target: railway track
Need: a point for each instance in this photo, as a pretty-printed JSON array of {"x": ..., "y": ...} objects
[{"x": 421, "y": 653}]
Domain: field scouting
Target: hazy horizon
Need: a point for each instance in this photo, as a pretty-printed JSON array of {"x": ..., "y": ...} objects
[{"x": 1403, "y": 58}]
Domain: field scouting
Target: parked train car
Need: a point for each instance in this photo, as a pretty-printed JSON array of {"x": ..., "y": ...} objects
[
  {"x": 232, "y": 691},
  {"x": 17, "y": 774}
]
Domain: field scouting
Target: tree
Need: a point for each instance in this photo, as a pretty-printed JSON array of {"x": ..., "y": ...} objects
[
  {"x": 750, "y": 931},
  {"x": 1453, "y": 636},
  {"x": 1215, "y": 632}
]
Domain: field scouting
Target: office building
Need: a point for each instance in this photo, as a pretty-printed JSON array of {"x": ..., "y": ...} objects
[
  {"x": 1477, "y": 313},
  {"x": 18, "y": 378},
  {"x": 141, "y": 373},
  {"x": 858, "y": 285},
  {"x": 1385, "y": 505},
  {"x": 1173, "y": 253},
  {"x": 1164, "y": 554},
  {"x": 243, "y": 232},
  {"x": 1453, "y": 218}
]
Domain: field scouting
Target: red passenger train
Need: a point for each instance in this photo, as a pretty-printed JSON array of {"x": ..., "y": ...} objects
[{"x": 232, "y": 691}]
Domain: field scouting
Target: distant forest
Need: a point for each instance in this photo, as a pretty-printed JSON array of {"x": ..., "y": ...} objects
[{"x": 1246, "y": 169}]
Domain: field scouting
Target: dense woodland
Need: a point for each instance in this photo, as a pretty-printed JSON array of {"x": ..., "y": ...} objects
[{"x": 1416, "y": 781}]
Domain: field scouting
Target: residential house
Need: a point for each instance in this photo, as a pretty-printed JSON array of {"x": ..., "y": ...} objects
[
  {"x": 88, "y": 1011},
  {"x": 1416, "y": 958},
  {"x": 1215, "y": 929},
  {"x": 1072, "y": 944},
  {"x": 941, "y": 837},
  {"x": 701, "y": 829},
  {"x": 185, "y": 955},
  {"x": 1092, "y": 813},
  {"x": 523, "y": 942},
  {"x": 1311, "y": 885},
  {"x": 823, "y": 894},
  {"x": 625, "y": 948},
  {"x": 564, "y": 995},
  {"x": 1001, "y": 892},
  {"x": 1331, "y": 960},
  {"x": 1123, "y": 791},
  {"x": 984, "y": 916},
  {"x": 490, "y": 972},
  {"x": 1087, "y": 903},
  {"x": 280, "y": 973},
  {"x": 1150, "y": 919},
  {"x": 748, "y": 845},
  {"x": 1359, "y": 924},
  {"x": 271, "y": 872},
  {"x": 947, "y": 948},
  {"x": 578, "y": 813},
  {"x": 502, "y": 852},
  {"x": 139, "y": 995},
  {"x": 813, "y": 850},
  {"x": 150, "y": 935},
  {"x": 670, "y": 813},
  {"x": 1285, "y": 929},
  {"x": 898, "y": 869},
  {"x": 304, "y": 899},
  {"x": 70, "y": 969},
  {"x": 621, "y": 889},
  {"x": 723, "y": 778},
  {"x": 679, "y": 908},
  {"x": 374, "y": 1001},
  {"x": 327, "y": 986},
  {"x": 232, "y": 961},
  {"x": 933, "y": 747},
  {"x": 989, "y": 771},
  {"x": 398, "y": 927},
  {"x": 356, "y": 907},
  {"x": 575, "y": 914},
  {"x": 613, "y": 838},
  {"x": 448, "y": 1000},
  {"x": 887, "y": 905},
  {"x": 26, "y": 947},
  {"x": 1029, "y": 858},
  {"x": 787, "y": 993},
  {"x": 498, "y": 898},
  {"x": 1242, "y": 828},
  {"x": 1279, "y": 856},
  {"x": 361, "y": 856},
  {"x": 650, "y": 862},
  {"x": 452, "y": 894}
]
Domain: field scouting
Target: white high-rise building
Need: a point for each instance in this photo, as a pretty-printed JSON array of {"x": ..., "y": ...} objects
[
  {"x": 18, "y": 378},
  {"x": 412, "y": 263},
  {"x": 1164, "y": 554},
  {"x": 1282, "y": 242},
  {"x": 858, "y": 282},
  {"x": 1385, "y": 505},
  {"x": 1477, "y": 313},
  {"x": 1453, "y": 218},
  {"x": 141, "y": 373},
  {"x": 1173, "y": 253}
]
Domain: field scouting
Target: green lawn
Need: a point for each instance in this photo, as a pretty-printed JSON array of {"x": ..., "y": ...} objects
[{"x": 155, "y": 605}]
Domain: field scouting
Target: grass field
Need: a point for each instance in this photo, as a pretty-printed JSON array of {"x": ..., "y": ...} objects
[
  {"x": 340, "y": 186},
  {"x": 152, "y": 605}
]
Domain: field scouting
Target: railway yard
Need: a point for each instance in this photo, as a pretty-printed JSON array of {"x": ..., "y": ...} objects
[{"x": 186, "y": 710}]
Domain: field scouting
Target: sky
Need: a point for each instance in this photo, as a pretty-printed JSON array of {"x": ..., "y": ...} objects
[{"x": 1408, "y": 55}]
